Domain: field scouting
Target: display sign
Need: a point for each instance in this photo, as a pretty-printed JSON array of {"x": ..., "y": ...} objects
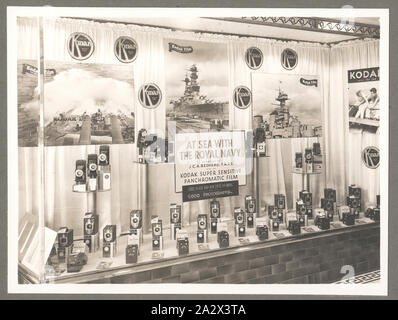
[
  {"x": 126, "y": 49},
  {"x": 88, "y": 103},
  {"x": 197, "y": 87},
  {"x": 254, "y": 58},
  {"x": 80, "y": 46},
  {"x": 210, "y": 191},
  {"x": 371, "y": 157},
  {"x": 150, "y": 96},
  {"x": 242, "y": 97},
  {"x": 287, "y": 105},
  {"x": 363, "y": 98},
  {"x": 289, "y": 59},
  {"x": 209, "y": 157}
]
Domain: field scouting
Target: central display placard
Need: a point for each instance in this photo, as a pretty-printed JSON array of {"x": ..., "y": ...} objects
[{"x": 209, "y": 157}]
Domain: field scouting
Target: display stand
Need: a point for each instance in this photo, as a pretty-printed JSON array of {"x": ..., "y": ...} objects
[{"x": 305, "y": 177}]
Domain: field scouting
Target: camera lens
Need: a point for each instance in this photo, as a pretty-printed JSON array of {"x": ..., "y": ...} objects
[
  {"x": 89, "y": 226},
  {"x": 93, "y": 167},
  {"x": 135, "y": 220},
  {"x": 106, "y": 249},
  {"x": 157, "y": 229},
  {"x": 79, "y": 173}
]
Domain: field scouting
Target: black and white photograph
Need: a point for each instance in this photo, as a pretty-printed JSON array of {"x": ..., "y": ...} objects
[
  {"x": 364, "y": 98},
  {"x": 287, "y": 106},
  {"x": 270, "y": 179},
  {"x": 197, "y": 85}
]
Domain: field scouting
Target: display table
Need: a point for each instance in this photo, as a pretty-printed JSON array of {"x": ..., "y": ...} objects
[{"x": 310, "y": 257}]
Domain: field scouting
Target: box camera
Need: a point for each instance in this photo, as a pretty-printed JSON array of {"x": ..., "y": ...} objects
[
  {"x": 202, "y": 222},
  {"x": 104, "y": 156},
  {"x": 223, "y": 239},
  {"x": 76, "y": 261},
  {"x": 342, "y": 210},
  {"x": 175, "y": 227},
  {"x": 65, "y": 237},
  {"x": 240, "y": 230},
  {"x": 136, "y": 219},
  {"x": 375, "y": 214},
  {"x": 316, "y": 147},
  {"x": 80, "y": 172},
  {"x": 92, "y": 242},
  {"x": 280, "y": 202},
  {"x": 250, "y": 204},
  {"x": 299, "y": 159},
  {"x": 353, "y": 201},
  {"x": 261, "y": 149},
  {"x": 239, "y": 216},
  {"x": 348, "y": 218},
  {"x": 378, "y": 201},
  {"x": 92, "y": 165},
  {"x": 157, "y": 243},
  {"x": 63, "y": 253},
  {"x": 90, "y": 224},
  {"x": 294, "y": 227},
  {"x": 274, "y": 224},
  {"x": 355, "y": 191},
  {"x": 262, "y": 232},
  {"x": 157, "y": 229},
  {"x": 213, "y": 225},
  {"x": 200, "y": 236},
  {"x": 303, "y": 220},
  {"x": 309, "y": 212},
  {"x": 108, "y": 249},
  {"x": 329, "y": 194},
  {"x": 104, "y": 178},
  {"x": 109, "y": 233},
  {"x": 131, "y": 253},
  {"x": 369, "y": 211},
  {"x": 250, "y": 220},
  {"x": 175, "y": 213},
  {"x": 328, "y": 206},
  {"x": 322, "y": 222},
  {"x": 215, "y": 209},
  {"x": 308, "y": 155},
  {"x": 183, "y": 246},
  {"x": 300, "y": 208},
  {"x": 356, "y": 212},
  {"x": 280, "y": 214},
  {"x": 306, "y": 197}
]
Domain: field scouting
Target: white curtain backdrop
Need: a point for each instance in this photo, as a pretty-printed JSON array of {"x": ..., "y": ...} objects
[
  {"x": 345, "y": 146},
  {"x": 152, "y": 187}
]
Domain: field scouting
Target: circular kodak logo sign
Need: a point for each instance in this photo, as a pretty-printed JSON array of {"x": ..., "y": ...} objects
[
  {"x": 80, "y": 46},
  {"x": 242, "y": 97},
  {"x": 289, "y": 59},
  {"x": 126, "y": 49},
  {"x": 149, "y": 95},
  {"x": 254, "y": 58},
  {"x": 371, "y": 157}
]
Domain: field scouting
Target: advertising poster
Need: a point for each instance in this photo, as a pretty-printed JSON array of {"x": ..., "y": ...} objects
[
  {"x": 209, "y": 161},
  {"x": 287, "y": 106},
  {"x": 196, "y": 85},
  {"x": 28, "y": 103},
  {"x": 363, "y": 99},
  {"x": 88, "y": 104}
]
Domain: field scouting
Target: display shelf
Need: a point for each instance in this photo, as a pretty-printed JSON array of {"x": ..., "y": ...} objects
[
  {"x": 306, "y": 185},
  {"x": 170, "y": 252}
]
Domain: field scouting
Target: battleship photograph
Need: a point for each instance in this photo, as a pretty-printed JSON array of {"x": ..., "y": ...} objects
[
  {"x": 197, "y": 97},
  {"x": 99, "y": 110},
  {"x": 287, "y": 106}
]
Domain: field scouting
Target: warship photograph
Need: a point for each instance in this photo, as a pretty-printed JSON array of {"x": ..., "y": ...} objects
[
  {"x": 197, "y": 95},
  {"x": 276, "y": 117}
]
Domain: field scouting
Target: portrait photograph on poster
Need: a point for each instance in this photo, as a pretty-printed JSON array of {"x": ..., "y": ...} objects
[
  {"x": 287, "y": 106},
  {"x": 197, "y": 96},
  {"x": 99, "y": 110},
  {"x": 364, "y": 99}
]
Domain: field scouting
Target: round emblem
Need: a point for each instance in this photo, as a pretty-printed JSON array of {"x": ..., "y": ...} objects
[
  {"x": 254, "y": 58},
  {"x": 125, "y": 49},
  {"x": 289, "y": 59},
  {"x": 149, "y": 95},
  {"x": 371, "y": 157},
  {"x": 242, "y": 97},
  {"x": 80, "y": 46}
]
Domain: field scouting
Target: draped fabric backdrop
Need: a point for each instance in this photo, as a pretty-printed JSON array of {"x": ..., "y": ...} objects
[{"x": 151, "y": 187}]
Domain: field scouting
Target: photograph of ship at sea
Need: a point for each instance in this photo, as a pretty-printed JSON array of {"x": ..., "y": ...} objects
[
  {"x": 196, "y": 85},
  {"x": 287, "y": 106},
  {"x": 88, "y": 103}
]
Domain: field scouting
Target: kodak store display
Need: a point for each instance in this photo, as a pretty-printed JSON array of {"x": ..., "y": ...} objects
[{"x": 193, "y": 157}]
